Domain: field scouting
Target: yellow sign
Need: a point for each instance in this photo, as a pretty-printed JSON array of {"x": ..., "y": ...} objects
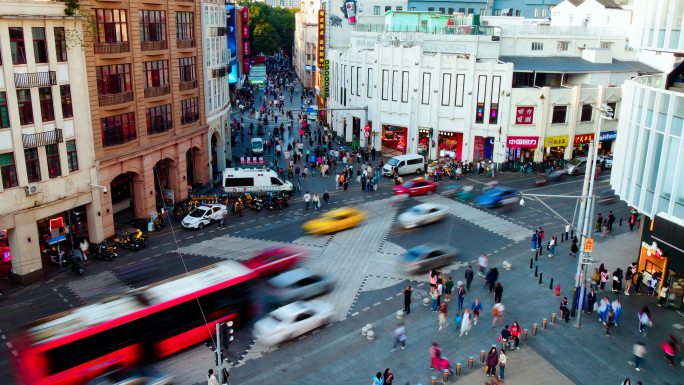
[
  {"x": 589, "y": 245},
  {"x": 556, "y": 141}
]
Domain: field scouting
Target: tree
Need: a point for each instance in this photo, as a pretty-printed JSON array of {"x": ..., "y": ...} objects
[
  {"x": 270, "y": 28},
  {"x": 264, "y": 39}
]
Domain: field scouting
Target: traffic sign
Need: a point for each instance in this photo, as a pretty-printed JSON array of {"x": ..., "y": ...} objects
[
  {"x": 367, "y": 128},
  {"x": 57, "y": 239},
  {"x": 589, "y": 245},
  {"x": 366, "y": 134}
]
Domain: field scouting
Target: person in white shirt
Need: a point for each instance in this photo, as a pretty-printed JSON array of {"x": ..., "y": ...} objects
[
  {"x": 211, "y": 378},
  {"x": 482, "y": 263},
  {"x": 567, "y": 231},
  {"x": 307, "y": 199}
]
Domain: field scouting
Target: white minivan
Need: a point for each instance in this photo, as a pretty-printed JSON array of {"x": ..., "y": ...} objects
[
  {"x": 406, "y": 164},
  {"x": 257, "y": 146},
  {"x": 257, "y": 181}
]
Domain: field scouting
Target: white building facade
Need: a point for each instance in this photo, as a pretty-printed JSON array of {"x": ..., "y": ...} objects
[
  {"x": 47, "y": 161},
  {"x": 659, "y": 32}
]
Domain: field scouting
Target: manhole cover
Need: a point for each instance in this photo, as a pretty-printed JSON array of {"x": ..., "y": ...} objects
[
  {"x": 20, "y": 305},
  {"x": 5, "y": 325}
]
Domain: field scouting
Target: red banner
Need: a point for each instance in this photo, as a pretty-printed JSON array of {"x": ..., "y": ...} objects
[
  {"x": 245, "y": 14},
  {"x": 522, "y": 141},
  {"x": 245, "y": 31},
  {"x": 583, "y": 139},
  {"x": 524, "y": 115},
  {"x": 245, "y": 65},
  {"x": 246, "y": 49}
]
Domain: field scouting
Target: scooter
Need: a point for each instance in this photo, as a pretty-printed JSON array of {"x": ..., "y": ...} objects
[
  {"x": 178, "y": 213},
  {"x": 159, "y": 222},
  {"x": 76, "y": 267},
  {"x": 254, "y": 203},
  {"x": 105, "y": 253},
  {"x": 128, "y": 242}
]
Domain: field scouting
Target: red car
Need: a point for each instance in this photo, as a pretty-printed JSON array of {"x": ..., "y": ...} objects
[
  {"x": 274, "y": 260},
  {"x": 416, "y": 187}
]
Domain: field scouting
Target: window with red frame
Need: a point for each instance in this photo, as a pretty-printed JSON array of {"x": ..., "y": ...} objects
[
  {"x": 60, "y": 44},
  {"x": 152, "y": 25},
  {"x": 113, "y": 79},
  {"x": 189, "y": 111},
  {"x": 32, "y": 164},
  {"x": 72, "y": 156},
  {"x": 25, "y": 107},
  {"x": 187, "y": 69},
  {"x": 156, "y": 73},
  {"x": 8, "y": 171},
  {"x": 39, "y": 45},
  {"x": 4, "y": 112},
  {"x": 17, "y": 45},
  {"x": 111, "y": 25},
  {"x": 67, "y": 108},
  {"x": 47, "y": 108},
  {"x": 118, "y": 129},
  {"x": 185, "y": 25},
  {"x": 159, "y": 119},
  {"x": 54, "y": 166}
]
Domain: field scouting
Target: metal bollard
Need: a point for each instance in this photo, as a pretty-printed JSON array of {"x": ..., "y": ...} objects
[
  {"x": 536, "y": 254},
  {"x": 536, "y": 271},
  {"x": 433, "y": 380},
  {"x": 458, "y": 368},
  {"x": 524, "y": 334},
  {"x": 551, "y": 284},
  {"x": 470, "y": 362},
  {"x": 534, "y": 329},
  {"x": 504, "y": 344},
  {"x": 445, "y": 375},
  {"x": 544, "y": 321},
  {"x": 553, "y": 318},
  {"x": 540, "y": 278},
  {"x": 531, "y": 263},
  {"x": 482, "y": 356},
  {"x": 541, "y": 251}
]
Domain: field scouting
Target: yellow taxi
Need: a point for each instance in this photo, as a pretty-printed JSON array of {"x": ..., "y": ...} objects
[{"x": 334, "y": 220}]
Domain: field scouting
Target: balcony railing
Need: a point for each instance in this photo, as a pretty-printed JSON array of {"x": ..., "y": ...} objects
[
  {"x": 157, "y": 91},
  {"x": 115, "y": 140},
  {"x": 448, "y": 30},
  {"x": 189, "y": 43},
  {"x": 42, "y": 139},
  {"x": 154, "y": 45},
  {"x": 159, "y": 128},
  {"x": 189, "y": 117},
  {"x": 189, "y": 85},
  {"x": 35, "y": 79},
  {"x": 113, "y": 99},
  {"x": 119, "y": 47}
]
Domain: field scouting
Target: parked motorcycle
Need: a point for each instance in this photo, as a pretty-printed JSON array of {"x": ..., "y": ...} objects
[
  {"x": 128, "y": 242},
  {"x": 526, "y": 168},
  {"x": 254, "y": 203},
  {"x": 159, "y": 222},
  {"x": 104, "y": 252},
  {"x": 140, "y": 239},
  {"x": 277, "y": 201},
  {"x": 178, "y": 212}
]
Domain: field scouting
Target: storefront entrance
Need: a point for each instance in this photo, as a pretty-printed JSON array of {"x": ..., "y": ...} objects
[
  {"x": 393, "y": 140},
  {"x": 606, "y": 140},
  {"x": 483, "y": 148},
  {"x": 450, "y": 144},
  {"x": 555, "y": 147},
  {"x": 662, "y": 257},
  {"x": 521, "y": 148},
  {"x": 424, "y": 142}
]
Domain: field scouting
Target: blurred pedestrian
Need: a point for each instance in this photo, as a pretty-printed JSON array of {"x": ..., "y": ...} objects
[
  {"x": 476, "y": 309},
  {"x": 435, "y": 297},
  {"x": 492, "y": 362},
  {"x": 610, "y": 319},
  {"x": 469, "y": 277},
  {"x": 515, "y": 334},
  {"x": 617, "y": 308},
  {"x": 491, "y": 277},
  {"x": 644, "y": 320},
  {"x": 591, "y": 300},
  {"x": 443, "y": 316},
  {"x": 565, "y": 312},
  {"x": 461, "y": 296},
  {"x": 498, "y": 292},
  {"x": 407, "y": 300},
  {"x": 639, "y": 351},
  {"x": 448, "y": 288},
  {"x": 465, "y": 322},
  {"x": 552, "y": 246},
  {"x": 671, "y": 348},
  {"x": 435, "y": 353},
  {"x": 316, "y": 201},
  {"x": 663, "y": 295},
  {"x": 482, "y": 262},
  {"x": 497, "y": 314},
  {"x": 400, "y": 336},
  {"x": 534, "y": 240},
  {"x": 377, "y": 380},
  {"x": 211, "y": 378},
  {"x": 604, "y": 305}
]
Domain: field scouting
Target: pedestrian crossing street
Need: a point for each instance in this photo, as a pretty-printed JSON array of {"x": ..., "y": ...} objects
[{"x": 481, "y": 218}]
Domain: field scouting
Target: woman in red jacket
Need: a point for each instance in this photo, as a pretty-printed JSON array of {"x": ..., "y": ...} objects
[{"x": 515, "y": 334}]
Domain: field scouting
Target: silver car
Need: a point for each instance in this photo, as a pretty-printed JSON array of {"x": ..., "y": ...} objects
[
  {"x": 296, "y": 285},
  {"x": 428, "y": 257},
  {"x": 577, "y": 166}
]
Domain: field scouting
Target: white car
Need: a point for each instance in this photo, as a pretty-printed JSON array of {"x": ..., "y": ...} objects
[
  {"x": 608, "y": 158},
  {"x": 202, "y": 216},
  {"x": 422, "y": 214},
  {"x": 292, "y": 320}
]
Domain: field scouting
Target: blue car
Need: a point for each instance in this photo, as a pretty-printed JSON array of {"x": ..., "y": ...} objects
[{"x": 498, "y": 197}]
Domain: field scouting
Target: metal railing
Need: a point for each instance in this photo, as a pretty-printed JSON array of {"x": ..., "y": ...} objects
[
  {"x": 656, "y": 81},
  {"x": 154, "y": 45},
  {"x": 157, "y": 91},
  {"x": 119, "y": 47},
  {"x": 548, "y": 30},
  {"x": 189, "y": 85},
  {"x": 35, "y": 79},
  {"x": 42, "y": 139},
  {"x": 159, "y": 128},
  {"x": 189, "y": 43},
  {"x": 113, "y": 99},
  {"x": 448, "y": 30}
]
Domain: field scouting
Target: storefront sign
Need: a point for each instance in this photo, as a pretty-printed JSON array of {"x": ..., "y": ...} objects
[
  {"x": 246, "y": 48},
  {"x": 652, "y": 249},
  {"x": 583, "y": 139},
  {"x": 245, "y": 14},
  {"x": 608, "y": 135},
  {"x": 321, "y": 37},
  {"x": 245, "y": 65},
  {"x": 245, "y": 32},
  {"x": 522, "y": 141},
  {"x": 524, "y": 115},
  {"x": 307, "y": 68},
  {"x": 326, "y": 88},
  {"x": 556, "y": 141}
]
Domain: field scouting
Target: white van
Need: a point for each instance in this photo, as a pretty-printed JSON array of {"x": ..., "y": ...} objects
[
  {"x": 257, "y": 146},
  {"x": 406, "y": 164},
  {"x": 257, "y": 181}
]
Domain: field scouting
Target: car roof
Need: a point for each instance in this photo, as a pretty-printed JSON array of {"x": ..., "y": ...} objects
[
  {"x": 289, "y": 277},
  {"x": 257, "y": 140},
  {"x": 428, "y": 205},
  {"x": 290, "y": 309},
  {"x": 409, "y": 156},
  {"x": 345, "y": 210}
]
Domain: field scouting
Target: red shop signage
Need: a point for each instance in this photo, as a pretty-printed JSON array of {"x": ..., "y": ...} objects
[
  {"x": 522, "y": 141},
  {"x": 245, "y": 14},
  {"x": 582, "y": 139},
  {"x": 524, "y": 115},
  {"x": 246, "y": 51},
  {"x": 245, "y": 31},
  {"x": 245, "y": 65}
]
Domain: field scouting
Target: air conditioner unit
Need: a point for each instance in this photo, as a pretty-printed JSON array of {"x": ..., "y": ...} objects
[{"x": 32, "y": 188}]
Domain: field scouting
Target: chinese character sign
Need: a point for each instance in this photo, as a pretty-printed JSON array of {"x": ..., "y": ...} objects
[
  {"x": 584, "y": 139},
  {"x": 524, "y": 115},
  {"x": 245, "y": 14},
  {"x": 321, "y": 37}
]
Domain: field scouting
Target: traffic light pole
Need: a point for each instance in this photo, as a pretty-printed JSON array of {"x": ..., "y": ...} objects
[{"x": 219, "y": 358}]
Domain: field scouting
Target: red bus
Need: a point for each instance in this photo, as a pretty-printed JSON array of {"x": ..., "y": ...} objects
[{"x": 130, "y": 329}]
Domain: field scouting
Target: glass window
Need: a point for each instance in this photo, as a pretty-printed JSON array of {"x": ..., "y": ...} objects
[
  {"x": 537, "y": 46},
  {"x": 497, "y": 12},
  {"x": 536, "y": 13},
  {"x": 60, "y": 44},
  {"x": 39, "y": 45},
  {"x": 54, "y": 167},
  {"x": 189, "y": 111},
  {"x": 152, "y": 25},
  {"x": 25, "y": 107},
  {"x": 185, "y": 25},
  {"x": 494, "y": 113},
  {"x": 431, "y": 9},
  {"x": 111, "y": 25},
  {"x": 32, "y": 164},
  {"x": 655, "y": 162},
  {"x": 543, "y": 12},
  {"x": 404, "y": 86},
  {"x": 559, "y": 113},
  {"x": 670, "y": 166},
  {"x": 398, "y": 8},
  {"x": 446, "y": 89},
  {"x": 156, "y": 73},
  {"x": 395, "y": 86},
  {"x": 159, "y": 119},
  {"x": 118, "y": 129},
  {"x": 450, "y": 11},
  {"x": 518, "y": 12},
  {"x": 72, "y": 156},
  {"x": 187, "y": 69},
  {"x": 67, "y": 108},
  {"x": 385, "y": 83},
  {"x": 369, "y": 85},
  {"x": 613, "y": 106},
  {"x": 113, "y": 79},
  {"x": 17, "y": 45},
  {"x": 8, "y": 171},
  {"x": 4, "y": 113},
  {"x": 471, "y": 11},
  {"x": 442, "y": 10},
  {"x": 47, "y": 108},
  {"x": 587, "y": 111},
  {"x": 562, "y": 45},
  {"x": 425, "y": 98},
  {"x": 388, "y": 8},
  {"x": 479, "y": 113}
]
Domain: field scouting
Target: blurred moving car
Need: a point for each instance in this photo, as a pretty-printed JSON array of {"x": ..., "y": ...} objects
[
  {"x": 417, "y": 186},
  {"x": 202, "y": 216},
  {"x": 292, "y": 320},
  {"x": 428, "y": 257},
  {"x": 275, "y": 259},
  {"x": 139, "y": 376},
  {"x": 296, "y": 285},
  {"x": 422, "y": 214},
  {"x": 335, "y": 220},
  {"x": 498, "y": 197},
  {"x": 608, "y": 158}
]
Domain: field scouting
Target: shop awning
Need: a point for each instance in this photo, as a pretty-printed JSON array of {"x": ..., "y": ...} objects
[{"x": 564, "y": 64}]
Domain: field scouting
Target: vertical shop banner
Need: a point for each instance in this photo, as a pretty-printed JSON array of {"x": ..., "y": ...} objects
[
  {"x": 246, "y": 48},
  {"x": 245, "y": 31},
  {"x": 326, "y": 78},
  {"x": 524, "y": 115},
  {"x": 245, "y": 14},
  {"x": 246, "y": 65},
  {"x": 321, "y": 37}
]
